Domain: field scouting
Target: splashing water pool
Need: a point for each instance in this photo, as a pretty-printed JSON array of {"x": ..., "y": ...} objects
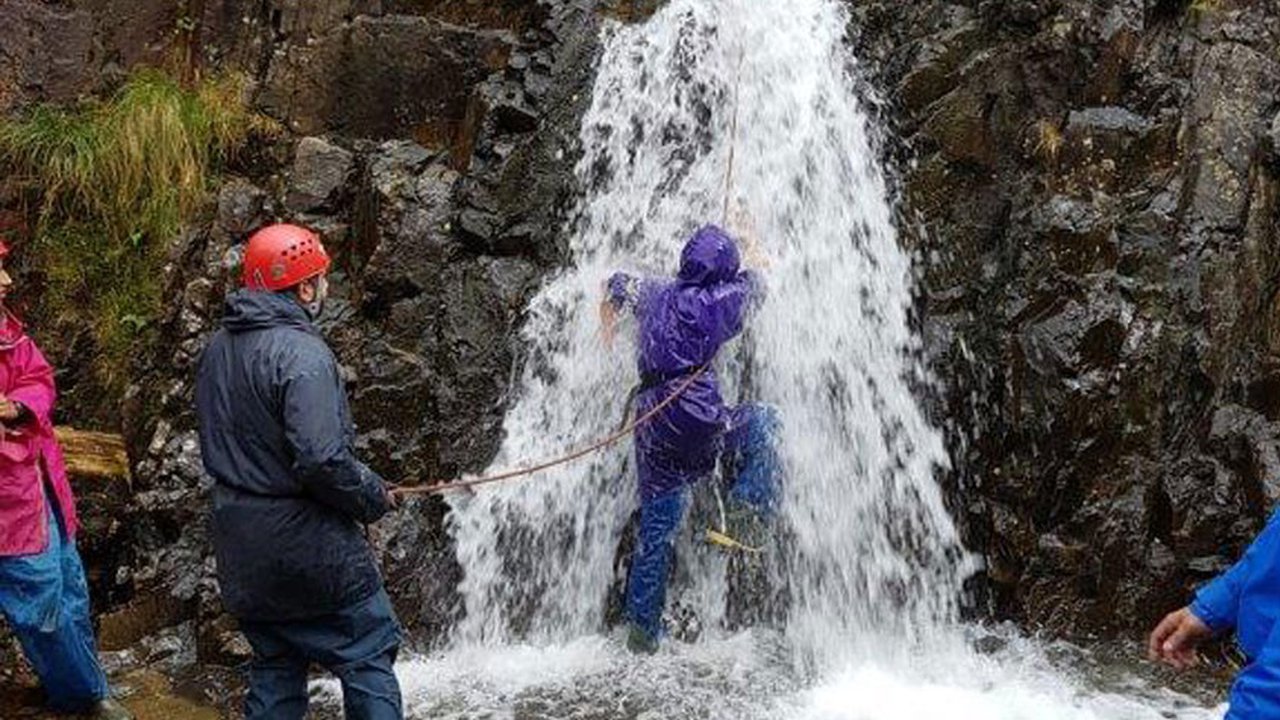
[{"x": 749, "y": 675}]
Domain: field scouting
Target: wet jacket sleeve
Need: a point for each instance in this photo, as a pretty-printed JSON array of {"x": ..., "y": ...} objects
[
  {"x": 317, "y": 433},
  {"x": 33, "y": 383},
  {"x": 725, "y": 305},
  {"x": 1218, "y": 603},
  {"x": 628, "y": 292},
  {"x": 1256, "y": 691}
]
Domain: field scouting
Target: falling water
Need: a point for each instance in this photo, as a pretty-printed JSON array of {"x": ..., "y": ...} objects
[
  {"x": 865, "y": 556},
  {"x": 867, "y": 541}
]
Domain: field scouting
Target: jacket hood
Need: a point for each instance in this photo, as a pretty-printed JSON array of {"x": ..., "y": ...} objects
[
  {"x": 247, "y": 310},
  {"x": 710, "y": 257}
]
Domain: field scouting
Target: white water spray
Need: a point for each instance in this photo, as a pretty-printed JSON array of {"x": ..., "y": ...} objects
[{"x": 868, "y": 543}]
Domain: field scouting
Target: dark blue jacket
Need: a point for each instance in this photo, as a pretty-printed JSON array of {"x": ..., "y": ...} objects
[
  {"x": 1247, "y": 598},
  {"x": 290, "y": 496}
]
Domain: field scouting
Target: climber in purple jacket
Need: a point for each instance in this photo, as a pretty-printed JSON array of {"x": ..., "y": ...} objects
[{"x": 683, "y": 323}]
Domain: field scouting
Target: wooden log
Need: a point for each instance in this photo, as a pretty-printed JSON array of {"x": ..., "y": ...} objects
[{"x": 94, "y": 455}]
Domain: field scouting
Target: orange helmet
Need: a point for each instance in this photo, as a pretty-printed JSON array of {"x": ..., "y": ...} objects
[{"x": 279, "y": 257}]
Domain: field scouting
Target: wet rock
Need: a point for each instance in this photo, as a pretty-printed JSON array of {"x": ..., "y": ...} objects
[
  {"x": 1209, "y": 566},
  {"x": 1080, "y": 237},
  {"x": 46, "y": 52},
  {"x": 217, "y": 639},
  {"x": 1232, "y": 87},
  {"x": 1026, "y": 13},
  {"x": 1249, "y": 442},
  {"x": 959, "y": 127},
  {"x": 990, "y": 644},
  {"x": 241, "y": 207},
  {"x": 383, "y": 77},
  {"x": 172, "y": 648},
  {"x": 513, "y": 15},
  {"x": 421, "y": 571},
  {"x": 631, "y": 11},
  {"x": 1095, "y": 194},
  {"x": 1274, "y": 137},
  {"x": 938, "y": 58},
  {"x": 1107, "y": 121},
  {"x": 320, "y": 170}
]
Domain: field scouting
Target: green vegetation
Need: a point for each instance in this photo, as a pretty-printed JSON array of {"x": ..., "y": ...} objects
[
  {"x": 1048, "y": 140},
  {"x": 1204, "y": 7},
  {"x": 113, "y": 183}
]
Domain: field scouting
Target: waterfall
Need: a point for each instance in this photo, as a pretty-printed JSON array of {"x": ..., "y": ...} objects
[{"x": 865, "y": 542}]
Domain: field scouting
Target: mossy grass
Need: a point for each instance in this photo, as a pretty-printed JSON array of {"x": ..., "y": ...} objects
[
  {"x": 1204, "y": 7},
  {"x": 114, "y": 183},
  {"x": 1048, "y": 140}
]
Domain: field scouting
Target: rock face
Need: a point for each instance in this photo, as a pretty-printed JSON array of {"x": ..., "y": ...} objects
[
  {"x": 432, "y": 143},
  {"x": 1092, "y": 189}
]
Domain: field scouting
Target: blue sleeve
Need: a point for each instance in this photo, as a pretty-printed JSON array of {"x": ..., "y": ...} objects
[
  {"x": 1256, "y": 692},
  {"x": 317, "y": 430},
  {"x": 1217, "y": 604}
]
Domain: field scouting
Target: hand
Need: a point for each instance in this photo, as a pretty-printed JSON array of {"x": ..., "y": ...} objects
[
  {"x": 1175, "y": 639},
  {"x": 9, "y": 409},
  {"x": 393, "y": 496}
]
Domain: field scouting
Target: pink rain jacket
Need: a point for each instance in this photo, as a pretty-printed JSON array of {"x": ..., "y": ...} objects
[{"x": 29, "y": 452}]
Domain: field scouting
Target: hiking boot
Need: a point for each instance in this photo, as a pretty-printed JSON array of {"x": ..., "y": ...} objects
[
  {"x": 109, "y": 709},
  {"x": 641, "y": 642}
]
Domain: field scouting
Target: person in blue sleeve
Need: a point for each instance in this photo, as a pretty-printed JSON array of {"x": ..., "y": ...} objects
[
  {"x": 1245, "y": 599},
  {"x": 682, "y": 325}
]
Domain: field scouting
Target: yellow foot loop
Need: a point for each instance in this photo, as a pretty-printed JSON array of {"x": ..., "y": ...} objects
[{"x": 715, "y": 537}]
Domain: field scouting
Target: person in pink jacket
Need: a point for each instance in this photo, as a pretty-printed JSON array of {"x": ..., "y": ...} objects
[{"x": 43, "y": 593}]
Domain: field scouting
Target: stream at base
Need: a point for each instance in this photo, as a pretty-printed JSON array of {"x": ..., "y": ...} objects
[{"x": 749, "y": 676}]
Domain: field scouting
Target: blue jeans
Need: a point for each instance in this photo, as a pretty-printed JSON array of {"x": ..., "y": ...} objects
[
  {"x": 748, "y": 449},
  {"x": 357, "y": 644},
  {"x": 660, "y": 518},
  {"x": 751, "y": 455},
  {"x": 46, "y": 600}
]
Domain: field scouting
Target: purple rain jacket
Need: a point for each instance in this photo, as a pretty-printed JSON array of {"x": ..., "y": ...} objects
[{"x": 683, "y": 324}]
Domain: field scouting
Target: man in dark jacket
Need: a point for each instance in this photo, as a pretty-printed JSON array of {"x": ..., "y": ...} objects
[{"x": 290, "y": 497}]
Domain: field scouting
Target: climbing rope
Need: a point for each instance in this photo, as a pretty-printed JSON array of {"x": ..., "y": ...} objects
[
  {"x": 733, "y": 141},
  {"x": 442, "y": 486},
  {"x": 434, "y": 487}
]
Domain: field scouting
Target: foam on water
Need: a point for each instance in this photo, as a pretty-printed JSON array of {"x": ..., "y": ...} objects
[
  {"x": 867, "y": 560},
  {"x": 746, "y": 677}
]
